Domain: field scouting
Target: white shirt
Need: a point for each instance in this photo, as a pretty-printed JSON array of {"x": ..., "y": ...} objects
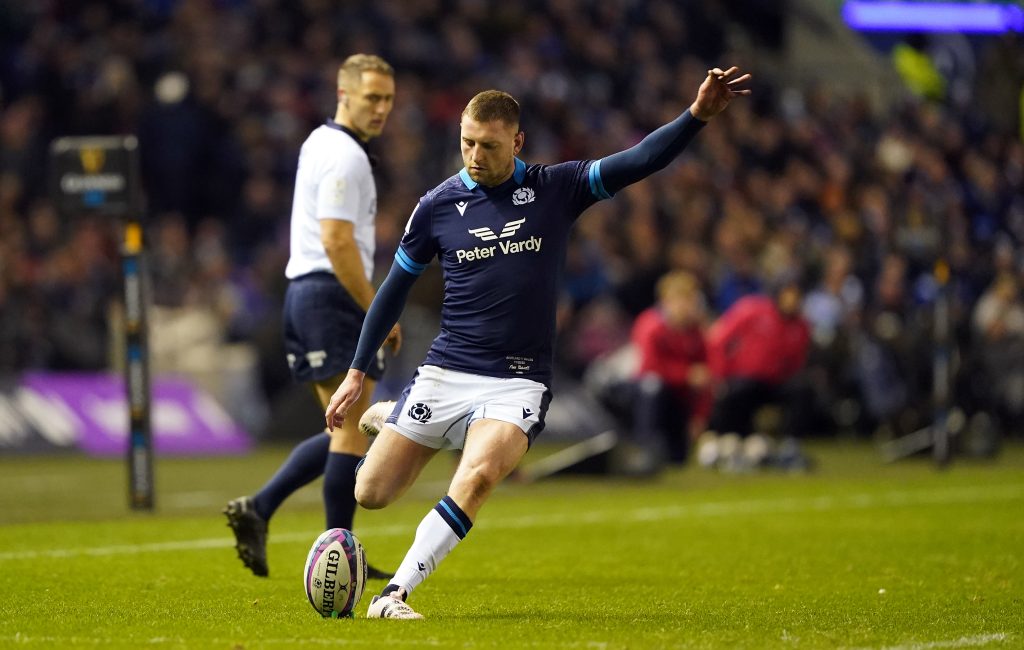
[{"x": 333, "y": 181}]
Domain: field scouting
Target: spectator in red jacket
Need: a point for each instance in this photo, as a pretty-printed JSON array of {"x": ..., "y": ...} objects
[
  {"x": 671, "y": 398},
  {"x": 754, "y": 351}
]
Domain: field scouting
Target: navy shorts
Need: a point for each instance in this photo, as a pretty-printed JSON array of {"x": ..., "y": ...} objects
[{"x": 321, "y": 328}]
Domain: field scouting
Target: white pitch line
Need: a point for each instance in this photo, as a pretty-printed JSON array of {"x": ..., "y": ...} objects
[
  {"x": 56, "y": 641},
  {"x": 963, "y": 642},
  {"x": 207, "y": 498},
  {"x": 941, "y": 496},
  {"x": 182, "y": 545}
]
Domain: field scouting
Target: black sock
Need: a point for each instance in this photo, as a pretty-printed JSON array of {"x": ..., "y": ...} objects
[
  {"x": 340, "y": 489},
  {"x": 304, "y": 464}
]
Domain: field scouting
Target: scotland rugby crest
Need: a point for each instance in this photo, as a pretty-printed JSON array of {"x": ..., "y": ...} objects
[{"x": 522, "y": 196}]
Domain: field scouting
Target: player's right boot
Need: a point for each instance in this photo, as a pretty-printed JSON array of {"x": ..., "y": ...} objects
[
  {"x": 373, "y": 418},
  {"x": 250, "y": 534},
  {"x": 392, "y": 606}
]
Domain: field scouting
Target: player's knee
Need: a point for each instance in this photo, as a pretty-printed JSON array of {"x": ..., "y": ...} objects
[
  {"x": 479, "y": 479},
  {"x": 371, "y": 494}
]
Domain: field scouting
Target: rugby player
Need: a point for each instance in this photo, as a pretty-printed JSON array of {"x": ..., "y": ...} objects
[{"x": 500, "y": 228}]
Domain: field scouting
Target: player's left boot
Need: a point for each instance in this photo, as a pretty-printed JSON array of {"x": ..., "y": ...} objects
[
  {"x": 392, "y": 606},
  {"x": 250, "y": 534},
  {"x": 373, "y": 418}
]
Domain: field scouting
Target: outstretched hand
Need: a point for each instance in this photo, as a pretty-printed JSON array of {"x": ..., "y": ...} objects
[
  {"x": 717, "y": 91},
  {"x": 343, "y": 399}
]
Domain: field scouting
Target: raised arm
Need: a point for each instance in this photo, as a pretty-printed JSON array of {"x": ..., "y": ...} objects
[{"x": 658, "y": 149}]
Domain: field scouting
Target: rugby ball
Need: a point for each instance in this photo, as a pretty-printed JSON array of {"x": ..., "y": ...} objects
[{"x": 335, "y": 573}]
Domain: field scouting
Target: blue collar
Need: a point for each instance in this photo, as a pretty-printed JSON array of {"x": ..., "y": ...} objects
[{"x": 518, "y": 175}]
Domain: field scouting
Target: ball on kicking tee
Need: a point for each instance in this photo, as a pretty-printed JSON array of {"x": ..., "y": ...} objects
[{"x": 335, "y": 573}]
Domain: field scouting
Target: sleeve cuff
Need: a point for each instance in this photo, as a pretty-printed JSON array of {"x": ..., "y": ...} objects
[
  {"x": 596, "y": 184},
  {"x": 407, "y": 263}
]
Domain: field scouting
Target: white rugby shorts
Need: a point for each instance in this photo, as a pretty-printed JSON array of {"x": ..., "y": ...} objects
[{"x": 439, "y": 404}]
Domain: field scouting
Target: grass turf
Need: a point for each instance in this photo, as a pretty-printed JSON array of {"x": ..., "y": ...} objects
[{"x": 855, "y": 555}]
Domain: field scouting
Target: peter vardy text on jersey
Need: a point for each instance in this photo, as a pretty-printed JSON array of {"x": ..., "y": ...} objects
[{"x": 507, "y": 248}]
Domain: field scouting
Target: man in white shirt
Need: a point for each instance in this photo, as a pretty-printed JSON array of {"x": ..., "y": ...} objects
[{"x": 332, "y": 244}]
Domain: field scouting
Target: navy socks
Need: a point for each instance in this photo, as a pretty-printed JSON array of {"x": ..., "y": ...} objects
[
  {"x": 340, "y": 489},
  {"x": 305, "y": 464}
]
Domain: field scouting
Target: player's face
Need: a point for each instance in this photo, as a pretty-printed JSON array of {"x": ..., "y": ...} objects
[
  {"x": 368, "y": 106},
  {"x": 489, "y": 150}
]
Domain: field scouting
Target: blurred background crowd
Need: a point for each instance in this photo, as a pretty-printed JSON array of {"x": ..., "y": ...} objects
[{"x": 847, "y": 197}]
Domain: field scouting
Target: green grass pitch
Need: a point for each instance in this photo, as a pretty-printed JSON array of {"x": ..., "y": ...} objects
[{"x": 855, "y": 555}]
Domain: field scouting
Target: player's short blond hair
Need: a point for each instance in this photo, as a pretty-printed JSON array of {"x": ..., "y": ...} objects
[
  {"x": 491, "y": 105},
  {"x": 350, "y": 74},
  {"x": 678, "y": 283}
]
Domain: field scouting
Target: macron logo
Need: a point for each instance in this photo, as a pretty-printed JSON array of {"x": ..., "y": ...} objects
[
  {"x": 461, "y": 207},
  {"x": 487, "y": 234}
]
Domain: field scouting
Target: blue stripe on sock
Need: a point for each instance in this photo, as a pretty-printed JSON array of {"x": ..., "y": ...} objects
[
  {"x": 452, "y": 522},
  {"x": 457, "y": 519},
  {"x": 462, "y": 516}
]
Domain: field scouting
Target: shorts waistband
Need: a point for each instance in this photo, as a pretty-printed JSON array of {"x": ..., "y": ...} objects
[{"x": 315, "y": 275}]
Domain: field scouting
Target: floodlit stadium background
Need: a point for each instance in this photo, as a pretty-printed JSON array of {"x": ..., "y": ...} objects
[{"x": 861, "y": 159}]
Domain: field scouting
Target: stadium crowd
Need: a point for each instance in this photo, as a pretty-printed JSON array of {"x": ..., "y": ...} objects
[{"x": 857, "y": 202}]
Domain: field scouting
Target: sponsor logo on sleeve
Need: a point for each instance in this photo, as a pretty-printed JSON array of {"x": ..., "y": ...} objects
[{"x": 339, "y": 191}]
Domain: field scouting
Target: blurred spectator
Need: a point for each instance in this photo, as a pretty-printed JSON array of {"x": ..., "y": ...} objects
[
  {"x": 893, "y": 353},
  {"x": 998, "y": 321},
  {"x": 832, "y": 309},
  {"x": 670, "y": 389},
  {"x": 999, "y": 314},
  {"x": 831, "y": 305},
  {"x": 755, "y": 351}
]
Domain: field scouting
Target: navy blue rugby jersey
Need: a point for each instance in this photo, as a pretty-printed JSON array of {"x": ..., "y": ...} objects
[{"x": 502, "y": 252}]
